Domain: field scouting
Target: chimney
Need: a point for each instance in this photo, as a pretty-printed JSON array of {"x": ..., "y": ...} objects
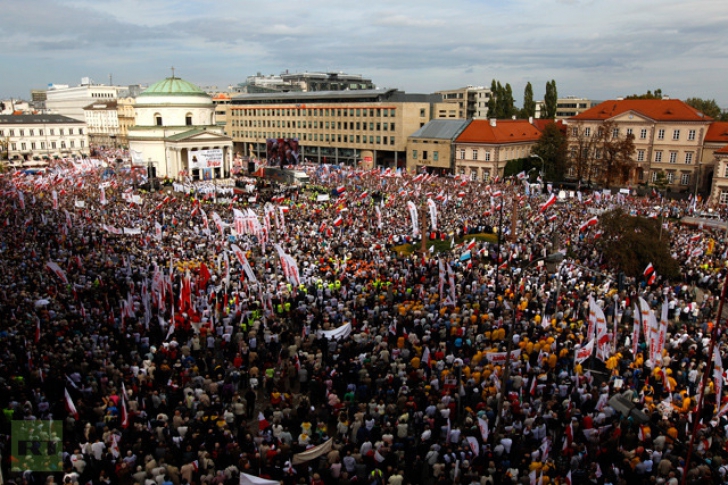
[
  {"x": 530, "y": 120},
  {"x": 492, "y": 122}
]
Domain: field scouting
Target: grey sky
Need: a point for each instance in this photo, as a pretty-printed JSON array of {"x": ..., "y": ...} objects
[{"x": 598, "y": 49}]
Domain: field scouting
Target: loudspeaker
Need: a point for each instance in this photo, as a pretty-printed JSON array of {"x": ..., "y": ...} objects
[
  {"x": 251, "y": 167},
  {"x": 152, "y": 172}
]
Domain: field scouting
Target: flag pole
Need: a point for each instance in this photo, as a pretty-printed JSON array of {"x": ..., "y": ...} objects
[{"x": 704, "y": 384}]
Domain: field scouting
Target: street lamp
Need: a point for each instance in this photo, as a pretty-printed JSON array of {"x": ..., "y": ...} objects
[
  {"x": 533, "y": 155},
  {"x": 150, "y": 174}
]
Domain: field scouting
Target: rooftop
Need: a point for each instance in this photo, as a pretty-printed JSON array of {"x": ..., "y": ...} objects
[
  {"x": 656, "y": 109},
  {"x": 353, "y": 96},
  {"x": 504, "y": 131},
  {"x": 441, "y": 129},
  {"x": 173, "y": 86},
  {"x": 717, "y": 132},
  {"x": 42, "y": 119}
]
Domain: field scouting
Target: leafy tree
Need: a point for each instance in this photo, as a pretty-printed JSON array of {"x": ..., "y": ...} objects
[
  {"x": 492, "y": 108},
  {"x": 615, "y": 154},
  {"x": 647, "y": 95},
  {"x": 708, "y": 107},
  {"x": 629, "y": 244},
  {"x": 4, "y": 147},
  {"x": 550, "y": 100},
  {"x": 529, "y": 105},
  {"x": 509, "y": 108},
  {"x": 552, "y": 147}
]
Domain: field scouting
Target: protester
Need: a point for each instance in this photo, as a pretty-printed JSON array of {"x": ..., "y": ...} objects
[{"x": 185, "y": 337}]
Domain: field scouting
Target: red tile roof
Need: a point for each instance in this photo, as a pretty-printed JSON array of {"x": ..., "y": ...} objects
[
  {"x": 722, "y": 151},
  {"x": 717, "y": 132},
  {"x": 504, "y": 131},
  {"x": 656, "y": 109}
]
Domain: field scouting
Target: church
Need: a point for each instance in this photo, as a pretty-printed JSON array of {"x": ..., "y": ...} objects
[{"x": 175, "y": 132}]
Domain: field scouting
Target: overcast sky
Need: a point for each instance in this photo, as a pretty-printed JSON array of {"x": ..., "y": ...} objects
[{"x": 600, "y": 49}]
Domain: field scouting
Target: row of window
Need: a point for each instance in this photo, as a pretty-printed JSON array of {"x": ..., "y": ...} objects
[
  {"x": 333, "y": 137},
  {"x": 41, "y": 132},
  {"x": 630, "y": 131},
  {"x": 52, "y": 145},
  {"x": 317, "y": 125},
  {"x": 672, "y": 157},
  {"x": 425, "y": 154},
  {"x": 473, "y": 173},
  {"x": 670, "y": 177},
  {"x": 371, "y": 112},
  {"x": 475, "y": 155}
]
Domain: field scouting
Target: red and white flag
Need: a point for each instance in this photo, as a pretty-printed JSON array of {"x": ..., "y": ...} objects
[
  {"x": 70, "y": 407},
  {"x": 591, "y": 222},
  {"x": 549, "y": 202},
  {"x": 338, "y": 221},
  {"x": 648, "y": 270},
  {"x": 57, "y": 271}
]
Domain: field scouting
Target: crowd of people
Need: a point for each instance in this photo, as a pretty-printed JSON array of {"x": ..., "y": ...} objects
[{"x": 178, "y": 338}]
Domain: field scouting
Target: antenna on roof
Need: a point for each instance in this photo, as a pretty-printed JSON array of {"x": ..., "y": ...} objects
[{"x": 172, "y": 72}]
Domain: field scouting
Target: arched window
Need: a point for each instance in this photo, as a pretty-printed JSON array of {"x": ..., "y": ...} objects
[
  {"x": 158, "y": 119},
  {"x": 188, "y": 119}
]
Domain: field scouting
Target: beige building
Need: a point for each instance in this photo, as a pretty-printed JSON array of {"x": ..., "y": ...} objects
[
  {"x": 719, "y": 189},
  {"x": 469, "y": 102},
  {"x": 714, "y": 163},
  {"x": 39, "y": 137},
  {"x": 430, "y": 149},
  {"x": 127, "y": 119},
  {"x": 484, "y": 147},
  {"x": 365, "y": 127},
  {"x": 668, "y": 137},
  {"x": 567, "y": 107}
]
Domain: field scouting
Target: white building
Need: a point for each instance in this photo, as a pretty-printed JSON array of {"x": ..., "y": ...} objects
[
  {"x": 102, "y": 120},
  {"x": 175, "y": 131},
  {"x": 70, "y": 101},
  {"x": 38, "y": 137}
]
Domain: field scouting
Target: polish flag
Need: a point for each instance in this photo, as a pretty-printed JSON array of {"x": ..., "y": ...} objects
[
  {"x": 551, "y": 201},
  {"x": 338, "y": 221},
  {"x": 652, "y": 278},
  {"x": 341, "y": 190},
  {"x": 262, "y": 422},
  {"x": 70, "y": 407},
  {"x": 497, "y": 193},
  {"x": 124, "y": 410},
  {"x": 471, "y": 244},
  {"x": 591, "y": 222},
  {"x": 461, "y": 194},
  {"x": 648, "y": 270}
]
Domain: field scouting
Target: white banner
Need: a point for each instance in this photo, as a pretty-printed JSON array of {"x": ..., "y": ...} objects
[
  {"x": 500, "y": 357},
  {"x": 341, "y": 332},
  {"x": 205, "y": 158}
]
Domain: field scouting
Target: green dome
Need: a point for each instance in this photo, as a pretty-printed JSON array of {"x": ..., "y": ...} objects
[{"x": 173, "y": 86}]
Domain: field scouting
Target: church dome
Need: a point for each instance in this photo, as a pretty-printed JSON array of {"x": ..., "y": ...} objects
[{"x": 173, "y": 86}]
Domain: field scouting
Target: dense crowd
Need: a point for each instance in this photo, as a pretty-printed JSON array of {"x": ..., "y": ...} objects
[{"x": 185, "y": 338}]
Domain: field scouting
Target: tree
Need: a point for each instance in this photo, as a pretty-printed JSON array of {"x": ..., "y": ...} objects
[
  {"x": 629, "y": 244},
  {"x": 492, "y": 100},
  {"x": 583, "y": 144},
  {"x": 647, "y": 95},
  {"x": 509, "y": 107},
  {"x": 615, "y": 152},
  {"x": 552, "y": 147},
  {"x": 708, "y": 107},
  {"x": 550, "y": 100},
  {"x": 529, "y": 105}
]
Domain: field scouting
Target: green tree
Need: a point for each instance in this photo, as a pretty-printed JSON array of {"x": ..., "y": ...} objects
[
  {"x": 492, "y": 108},
  {"x": 583, "y": 149},
  {"x": 529, "y": 105},
  {"x": 648, "y": 95},
  {"x": 708, "y": 107},
  {"x": 550, "y": 100},
  {"x": 629, "y": 244},
  {"x": 509, "y": 106},
  {"x": 500, "y": 101},
  {"x": 552, "y": 147}
]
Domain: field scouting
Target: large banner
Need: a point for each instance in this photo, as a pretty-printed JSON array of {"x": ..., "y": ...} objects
[
  {"x": 202, "y": 159},
  {"x": 282, "y": 151}
]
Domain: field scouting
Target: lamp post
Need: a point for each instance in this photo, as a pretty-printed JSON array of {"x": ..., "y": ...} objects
[
  {"x": 543, "y": 163},
  {"x": 150, "y": 176}
]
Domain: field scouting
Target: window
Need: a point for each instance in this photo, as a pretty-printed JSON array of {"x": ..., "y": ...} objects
[
  {"x": 487, "y": 156},
  {"x": 32, "y": 145},
  {"x": 673, "y": 157},
  {"x": 587, "y": 131},
  {"x": 379, "y": 139},
  {"x": 391, "y": 140},
  {"x": 629, "y": 131},
  {"x": 158, "y": 119},
  {"x": 73, "y": 144},
  {"x": 688, "y": 158},
  {"x": 70, "y": 132},
  {"x": 15, "y": 146},
  {"x": 188, "y": 119},
  {"x": 643, "y": 134},
  {"x": 486, "y": 175},
  {"x": 473, "y": 174},
  {"x": 42, "y": 145},
  {"x": 675, "y": 134},
  {"x": 462, "y": 156},
  {"x": 670, "y": 177},
  {"x": 723, "y": 196},
  {"x": 424, "y": 154},
  {"x": 392, "y": 126},
  {"x": 53, "y": 145},
  {"x": 12, "y": 133},
  {"x": 475, "y": 154},
  {"x": 691, "y": 135},
  {"x": 575, "y": 132},
  {"x": 660, "y": 134},
  {"x": 640, "y": 155},
  {"x": 658, "y": 156},
  {"x": 654, "y": 177},
  {"x": 422, "y": 113},
  {"x": 23, "y": 146},
  {"x": 615, "y": 132},
  {"x": 414, "y": 153},
  {"x": 63, "y": 144},
  {"x": 22, "y": 132},
  {"x": 725, "y": 173},
  {"x": 685, "y": 179},
  {"x": 32, "y": 132},
  {"x": 435, "y": 156},
  {"x": 598, "y": 153}
]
